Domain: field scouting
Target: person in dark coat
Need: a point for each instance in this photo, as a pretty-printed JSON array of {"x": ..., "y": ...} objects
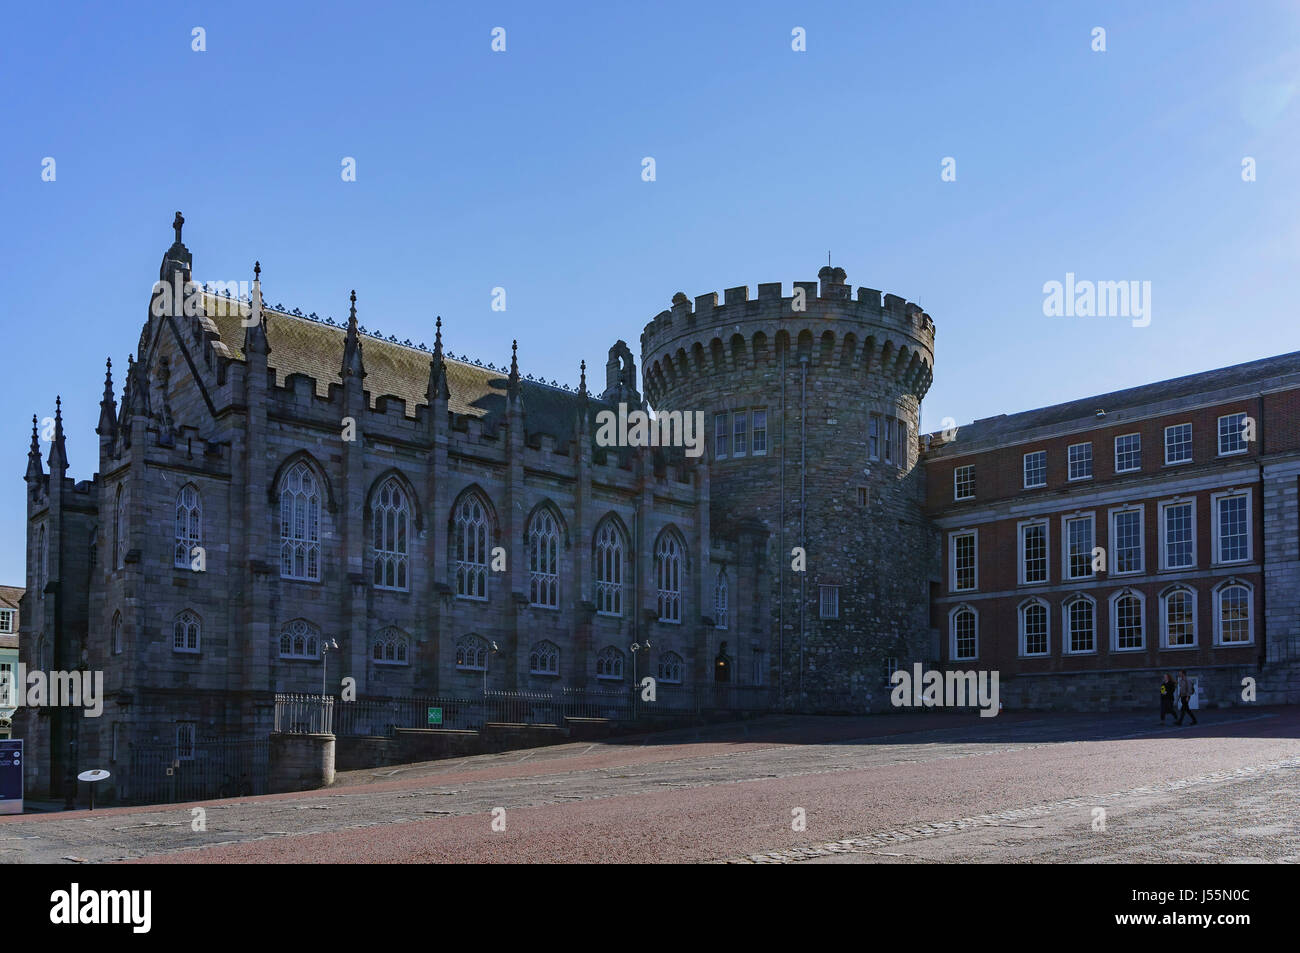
[
  {"x": 1184, "y": 694},
  {"x": 1167, "y": 689}
]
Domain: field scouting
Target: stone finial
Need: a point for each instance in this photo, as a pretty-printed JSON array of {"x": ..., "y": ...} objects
[
  {"x": 34, "y": 469},
  {"x": 107, "y": 426},
  {"x": 255, "y": 338},
  {"x": 513, "y": 386},
  {"x": 437, "y": 389},
  {"x": 178, "y": 223},
  {"x": 582, "y": 378},
  {"x": 353, "y": 360},
  {"x": 58, "y": 449}
]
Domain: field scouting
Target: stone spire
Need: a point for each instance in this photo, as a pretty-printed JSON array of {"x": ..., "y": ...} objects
[
  {"x": 136, "y": 400},
  {"x": 437, "y": 389},
  {"x": 34, "y": 469},
  {"x": 353, "y": 365},
  {"x": 583, "y": 412},
  {"x": 107, "y": 426},
  {"x": 255, "y": 339},
  {"x": 58, "y": 450},
  {"x": 512, "y": 388},
  {"x": 178, "y": 256}
]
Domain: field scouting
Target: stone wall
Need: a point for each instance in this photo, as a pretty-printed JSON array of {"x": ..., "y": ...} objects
[
  {"x": 1136, "y": 689},
  {"x": 300, "y": 762},
  {"x": 820, "y": 364}
]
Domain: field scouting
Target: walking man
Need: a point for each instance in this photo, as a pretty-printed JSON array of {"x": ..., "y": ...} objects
[
  {"x": 1184, "y": 693},
  {"x": 1167, "y": 688}
]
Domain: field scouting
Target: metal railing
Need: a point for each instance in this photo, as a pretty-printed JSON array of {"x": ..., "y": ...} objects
[
  {"x": 304, "y": 714},
  {"x": 383, "y": 716},
  {"x": 215, "y": 768}
]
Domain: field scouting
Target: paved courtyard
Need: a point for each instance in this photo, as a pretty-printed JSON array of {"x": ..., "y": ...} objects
[{"x": 913, "y": 788}]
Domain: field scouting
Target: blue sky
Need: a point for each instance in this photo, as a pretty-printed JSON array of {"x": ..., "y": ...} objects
[{"x": 522, "y": 170}]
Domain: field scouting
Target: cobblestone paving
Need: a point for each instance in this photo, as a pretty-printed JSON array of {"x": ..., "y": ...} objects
[
  {"x": 1074, "y": 822},
  {"x": 924, "y": 788}
]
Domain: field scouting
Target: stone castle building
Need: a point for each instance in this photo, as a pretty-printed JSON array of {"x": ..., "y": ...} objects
[{"x": 283, "y": 501}]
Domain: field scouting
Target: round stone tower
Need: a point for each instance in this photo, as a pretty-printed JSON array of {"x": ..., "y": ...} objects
[{"x": 812, "y": 405}]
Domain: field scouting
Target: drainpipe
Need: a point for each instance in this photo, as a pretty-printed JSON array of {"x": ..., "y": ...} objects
[
  {"x": 780, "y": 556},
  {"x": 635, "y": 562},
  {"x": 803, "y": 505},
  {"x": 1263, "y": 549}
]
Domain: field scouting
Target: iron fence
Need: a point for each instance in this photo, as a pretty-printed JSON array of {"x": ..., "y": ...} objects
[
  {"x": 304, "y": 714},
  {"x": 383, "y": 716},
  {"x": 216, "y": 768}
]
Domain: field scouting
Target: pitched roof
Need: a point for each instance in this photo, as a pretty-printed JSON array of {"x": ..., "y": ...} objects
[
  {"x": 1253, "y": 374},
  {"x": 9, "y": 596},
  {"x": 302, "y": 345}
]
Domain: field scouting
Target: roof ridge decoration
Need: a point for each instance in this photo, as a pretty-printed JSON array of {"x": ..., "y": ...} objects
[{"x": 329, "y": 321}]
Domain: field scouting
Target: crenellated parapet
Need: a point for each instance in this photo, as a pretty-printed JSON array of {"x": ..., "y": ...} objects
[{"x": 820, "y": 321}]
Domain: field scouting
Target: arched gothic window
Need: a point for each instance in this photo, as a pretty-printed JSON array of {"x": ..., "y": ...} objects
[
  {"x": 543, "y": 561},
  {"x": 609, "y": 664},
  {"x": 668, "y": 578},
  {"x": 42, "y": 562},
  {"x": 300, "y": 524},
  {"x": 544, "y": 659},
  {"x": 670, "y": 668},
  {"x": 471, "y": 653},
  {"x": 119, "y": 530},
  {"x": 299, "y": 639},
  {"x": 390, "y": 523},
  {"x": 609, "y": 569},
  {"x": 471, "y": 536},
  {"x": 186, "y": 632},
  {"x": 117, "y": 633},
  {"x": 189, "y": 524},
  {"x": 720, "y": 599},
  {"x": 391, "y": 646}
]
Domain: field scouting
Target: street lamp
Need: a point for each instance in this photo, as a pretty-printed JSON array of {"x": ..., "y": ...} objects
[
  {"x": 486, "y": 660},
  {"x": 636, "y": 647},
  {"x": 324, "y": 661}
]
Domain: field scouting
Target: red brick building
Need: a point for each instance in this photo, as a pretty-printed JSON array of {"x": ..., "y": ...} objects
[{"x": 1146, "y": 530}]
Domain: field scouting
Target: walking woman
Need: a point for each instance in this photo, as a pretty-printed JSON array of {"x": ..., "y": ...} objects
[
  {"x": 1167, "y": 689},
  {"x": 1184, "y": 695}
]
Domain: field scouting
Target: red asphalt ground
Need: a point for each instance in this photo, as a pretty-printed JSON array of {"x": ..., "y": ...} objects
[{"x": 737, "y": 811}]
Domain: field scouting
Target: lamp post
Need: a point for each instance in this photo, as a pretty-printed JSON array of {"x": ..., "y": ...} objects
[
  {"x": 636, "y": 647},
  {"x": 493, "y": 650},
  {"x": 324, "y": 660}
]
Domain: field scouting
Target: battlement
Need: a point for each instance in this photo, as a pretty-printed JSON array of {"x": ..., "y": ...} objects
[
  {"x": 820, "y": 323},
  {"x": 826, "y": 298}
]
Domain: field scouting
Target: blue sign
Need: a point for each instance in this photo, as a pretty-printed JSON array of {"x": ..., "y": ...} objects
[{"x": 11, "y": 776}]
